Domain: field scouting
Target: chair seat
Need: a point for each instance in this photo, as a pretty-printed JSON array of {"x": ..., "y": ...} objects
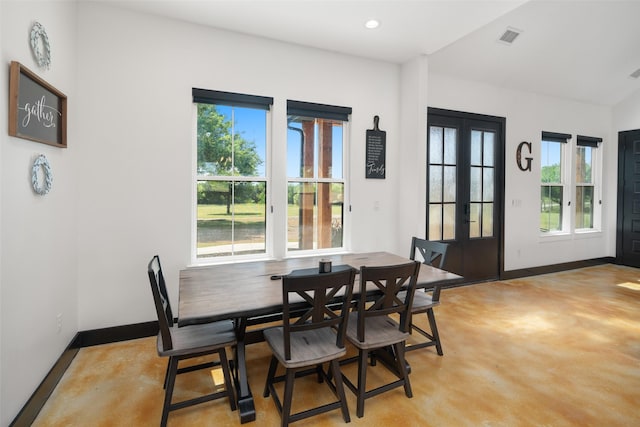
[
  {"x": 381, "y": 331},
  {"x": 421, "y": 301},
  {"x": 307, "y": 347},
  {"x": 199, "y": 338}
]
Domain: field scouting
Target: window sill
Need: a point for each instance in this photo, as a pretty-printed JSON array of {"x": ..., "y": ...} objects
[
  {"x": 588, "y": 234},
  {"x": 554, "y": 237},
  {"x": 577, "y": 235}
]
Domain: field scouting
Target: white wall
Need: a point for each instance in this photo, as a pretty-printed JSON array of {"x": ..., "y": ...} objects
[
  {"x": 135, "y": 74},
  {"x": 38, "y": 255},
  {"x": 528, "y": 114},
  {"x": 626, "y": 115},
  {"x": 411, "y": 193}
]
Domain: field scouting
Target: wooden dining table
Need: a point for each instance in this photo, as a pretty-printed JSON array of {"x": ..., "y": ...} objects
[{"x": 246, "y": 291}]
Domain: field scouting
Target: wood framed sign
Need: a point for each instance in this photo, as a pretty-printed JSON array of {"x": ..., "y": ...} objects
[
  {"x": 376, "y": 152},
  {"x": 37, "y": 110}
]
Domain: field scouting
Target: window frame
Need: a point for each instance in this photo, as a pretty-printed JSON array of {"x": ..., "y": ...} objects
[
  {"x": 234, "y": 100},
  {"x": 596, "y": 181},
  {"x": 565, "y": 180},
  {"x": 570, "y": 184},
  {"x": 333, "y": 113}
]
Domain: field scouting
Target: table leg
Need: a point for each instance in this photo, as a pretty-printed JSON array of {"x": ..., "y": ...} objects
[{"x": 243, "y": 392}]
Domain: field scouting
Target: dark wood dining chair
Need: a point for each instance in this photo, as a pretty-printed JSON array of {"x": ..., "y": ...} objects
[
  {"x": 186, "y": 343},
  {"x": 370, "y": 326},
  {"x": 312, "y": 334},
  {"x": 432, "y": 253}
]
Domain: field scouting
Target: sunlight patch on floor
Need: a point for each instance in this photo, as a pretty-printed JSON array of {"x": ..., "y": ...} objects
[{"x": 630, "y": 285}]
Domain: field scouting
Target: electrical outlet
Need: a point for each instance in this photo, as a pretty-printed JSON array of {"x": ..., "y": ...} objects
[{"x": 59, "y": 322}]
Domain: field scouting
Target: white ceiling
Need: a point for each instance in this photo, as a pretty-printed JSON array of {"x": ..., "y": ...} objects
[{"x": 577, "y": 49}]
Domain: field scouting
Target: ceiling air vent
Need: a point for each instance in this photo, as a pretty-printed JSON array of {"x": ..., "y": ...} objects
[
  {"x": 509, "y": 35},
  {"x": 636, "y": 73}
]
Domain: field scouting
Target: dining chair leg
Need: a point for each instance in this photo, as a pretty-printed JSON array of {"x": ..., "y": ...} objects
[
  {"x": 362, "y": 382},
  {"x": 270, "y": 376},
  {"x": 319, "y": 373},
  {"x": 335, "y": 369},
  {"x": 288, "y": 396},
  {"x": 402, "y": 368},
  {"x": 166, "y": 375},
  {"x": 228, "y": 385},
  {"x": 434, "y": 330},
  {"x": 168, "y": 393}
]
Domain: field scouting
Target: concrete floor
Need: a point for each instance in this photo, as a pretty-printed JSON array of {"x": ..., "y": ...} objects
[{"x": 561, "y": 349}]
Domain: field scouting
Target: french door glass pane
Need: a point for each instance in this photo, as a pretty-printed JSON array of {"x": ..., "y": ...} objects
[
  {"x": 487, "y": 185},
  {"x": 435, "y": 222},
  {"x": 449, "y": 219},
  {"x": 449, "y": 187},
  {"x": 487, "y": 220},
  {"x": 475, "y": 220},
  {"x": 435, "y": 184},
  {"x": 475, "y": 189},
  {"x": 450, "y": 145},
  {"x": 435, "y": 145},
  {"x": 487, "y": 157},
  {"x": 476, "y": 148}
]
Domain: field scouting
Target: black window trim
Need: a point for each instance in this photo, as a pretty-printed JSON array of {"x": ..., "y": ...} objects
[
  {"x": 216, "y": 97},
  {"x": 320, "y": 111},
  {"x": 587, "y": 141},
  {"x": 555, "y": 136}
]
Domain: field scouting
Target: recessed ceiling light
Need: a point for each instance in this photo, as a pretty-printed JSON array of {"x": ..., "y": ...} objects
[{"x": 372, "y": 24}]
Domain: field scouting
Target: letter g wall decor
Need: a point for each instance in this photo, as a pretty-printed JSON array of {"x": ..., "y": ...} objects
[
  {"x": 526, "y": 167},
  {"x": 37, "y": 110}
]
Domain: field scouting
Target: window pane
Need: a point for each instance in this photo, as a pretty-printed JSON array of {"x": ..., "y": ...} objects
[
  {"x": 315, "y": 219},
  {"x": 551, "y": 208},
  {"x": 449, "y": 226},
  {"x": 584, "y": 165},
  {"x": 474, "y": 220},
  {"x": 450, "y": 144},
  {"x": 550, "y": 162},
  {"x": 487, "y": 185},
  {"x": 435, "y": 222},
  {"x": 231, "y": 141},
  {"x": 231, "y": 218},
  {"x": 584, "y": 207},
  {"x": 476, "y": 147},
  {"x": 314, "y": 148},
  {"x": 435, "y": 144},
  {"x": 487, "y": 220},
  {"x": 435, "y": 184}
]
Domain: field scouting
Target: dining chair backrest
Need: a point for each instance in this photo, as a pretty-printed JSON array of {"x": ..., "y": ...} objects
[
  {"x": 429, "y": 251},
  {"x": 320, "y": 293},
  {"x": 382, "y": 298},
  {"x": 161, "y": 300}
]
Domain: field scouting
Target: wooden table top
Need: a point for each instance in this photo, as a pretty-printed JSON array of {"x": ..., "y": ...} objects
[{"x": 245, "y": 289}]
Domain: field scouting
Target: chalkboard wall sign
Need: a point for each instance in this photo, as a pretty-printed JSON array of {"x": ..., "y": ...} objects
[
  {"x": 37, "y": 110},
  {"x": 376, "y": 152}
]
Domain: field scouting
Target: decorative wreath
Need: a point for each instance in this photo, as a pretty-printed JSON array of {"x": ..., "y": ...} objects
[
  {"x": 37, "y": 34},
  {"x": 40, "y": 188}
]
